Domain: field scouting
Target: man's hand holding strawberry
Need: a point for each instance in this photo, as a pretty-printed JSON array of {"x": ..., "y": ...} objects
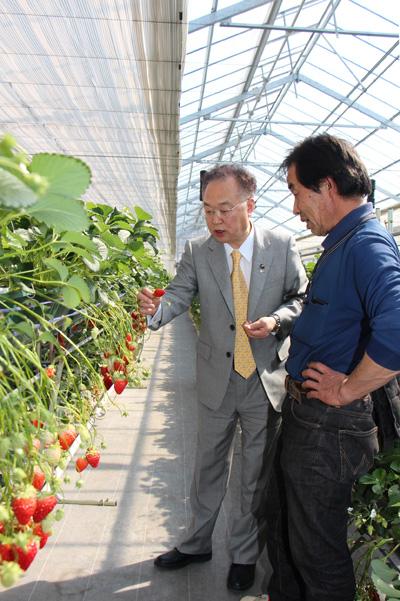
[{"x": 149, "y": 300}]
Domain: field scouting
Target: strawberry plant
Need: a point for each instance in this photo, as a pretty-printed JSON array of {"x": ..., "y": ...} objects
[
  {"x": 375, "y": 519},
  {"x": 69, "y": 275}
]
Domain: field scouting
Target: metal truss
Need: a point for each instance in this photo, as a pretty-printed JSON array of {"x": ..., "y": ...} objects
[{"x": 305, "y": 69}]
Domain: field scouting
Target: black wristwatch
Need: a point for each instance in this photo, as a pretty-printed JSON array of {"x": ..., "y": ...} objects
[{"x": 278, "y": 323}]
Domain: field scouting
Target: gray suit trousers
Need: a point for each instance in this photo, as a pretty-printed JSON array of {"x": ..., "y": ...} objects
[{"x": 245, "y": 402}]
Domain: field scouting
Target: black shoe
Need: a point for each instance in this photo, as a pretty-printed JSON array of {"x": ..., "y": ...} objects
[
  {"x": 173, "y": 560},
  {"x": 241, "y": 576}
]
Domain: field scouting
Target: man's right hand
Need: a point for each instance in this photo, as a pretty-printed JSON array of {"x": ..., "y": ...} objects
[{"x": 148, "y": 304}]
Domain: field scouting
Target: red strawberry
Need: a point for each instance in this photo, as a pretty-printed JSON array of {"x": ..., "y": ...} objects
[
  {"x": 61, "y": 340},
  {"x": 24, "y": 508},
  {"x": 130, "y": 347},
  {"x": 119, "y": 365},
  {"x": 81, "y": 464},
  {"x": 93, "y": 457},
  {"x": 104, "y": 370},
  {"x": 36, "y": 423},
  {"x": 120, "y": 385},
  {"x": 50, "y": 371},
  {"x": 26, "y": 555},
  {"x": 43, "y": 507},
  {"x": 6, "y": 552},
  {"x": 66, "y": 438},
  {"x": 128, "y": 338},
  {"x": 158, "y": 292},
  {"x": 108, "y": 381},
  {"x": 39, "y": 478},
  {"x": 38, "y": 531}
]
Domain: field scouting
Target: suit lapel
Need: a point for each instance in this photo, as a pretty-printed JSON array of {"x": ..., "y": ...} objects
[
  {"x": 262, "y": 262},
  {"x": 219, "y": 266}
]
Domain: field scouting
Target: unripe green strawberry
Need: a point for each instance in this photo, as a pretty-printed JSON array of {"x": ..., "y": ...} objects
[
  {"x": 47, "y": 438},
  {"x": 5, "y": 444},
  {"x": 52, "y": 454},
  {"x": 83, "y": 433},
  {"x": 18, "y": 474},
  {"x": 10, "y": 573},
  {"x": 59, "y": 514},
  {"x": 4, "y": 513}
]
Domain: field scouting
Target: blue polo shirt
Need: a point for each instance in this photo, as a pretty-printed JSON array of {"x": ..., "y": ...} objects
[{"x": 353, "y": 302}]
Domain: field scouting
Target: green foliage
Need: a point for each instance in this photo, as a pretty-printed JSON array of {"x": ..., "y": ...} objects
[
  {"x": 195, "y": 313},
  {"x": 310, "y": 265},
  {"x": 47, "y": 188},
  {"x": 67, "y": 177},
  {"x": 385, "y": 579},
  {"x": 69, "y": 275},
  {"x": 375, "y": 516},
  {"x": 13, "y": 191}
]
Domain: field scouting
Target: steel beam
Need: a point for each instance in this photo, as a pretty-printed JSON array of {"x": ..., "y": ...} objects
[
  {"x": 303, "y": 123},
  {"x": 345, "y": 100},
  {"x": 225, "y": 13},
  {"x": 273, "y": 85},
  {"x": 376, "y": 34},
  {"x": 234, "y": 141}
]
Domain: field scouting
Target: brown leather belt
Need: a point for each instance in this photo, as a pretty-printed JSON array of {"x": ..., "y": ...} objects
[{"x": 295, "y": 390}]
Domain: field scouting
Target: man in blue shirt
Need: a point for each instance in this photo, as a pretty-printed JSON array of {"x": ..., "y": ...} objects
[{"x": 344, "y": 345}]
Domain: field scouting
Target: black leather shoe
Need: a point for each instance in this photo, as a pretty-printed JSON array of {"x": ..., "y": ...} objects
[
  {"x": 173, "y": 560},
  {"x": 241, "y": 576}
]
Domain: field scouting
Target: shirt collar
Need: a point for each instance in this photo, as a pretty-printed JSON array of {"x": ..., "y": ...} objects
[
  {"x": 246, "y": 249},
  {"x": 346, "y": 224}
]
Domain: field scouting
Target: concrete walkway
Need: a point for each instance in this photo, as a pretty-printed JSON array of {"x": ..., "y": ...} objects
[{"x": 106, "y": 553}]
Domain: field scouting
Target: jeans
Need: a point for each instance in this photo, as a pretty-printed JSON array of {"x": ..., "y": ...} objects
[{"x": 323, "y": 451}]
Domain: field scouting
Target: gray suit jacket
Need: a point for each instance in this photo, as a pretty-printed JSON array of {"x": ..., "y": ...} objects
[{"x": 275, "y": 287}]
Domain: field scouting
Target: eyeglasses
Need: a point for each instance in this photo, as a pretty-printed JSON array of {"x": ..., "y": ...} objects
[{"x": 223, "y": 213}]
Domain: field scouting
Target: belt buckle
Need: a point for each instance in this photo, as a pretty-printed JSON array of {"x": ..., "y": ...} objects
[{"x": 292, "y": 389}]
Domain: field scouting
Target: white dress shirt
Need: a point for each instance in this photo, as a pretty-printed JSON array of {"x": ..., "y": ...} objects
[{"x": 246, "y": 250}]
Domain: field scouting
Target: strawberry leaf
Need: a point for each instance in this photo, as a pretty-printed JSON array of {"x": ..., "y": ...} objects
[
  {"x": 68, "y": 176},
  {"x": 58, "y": 267},
  {"x": 60, "y": 213},
  {"x": 13, "y": 192}
]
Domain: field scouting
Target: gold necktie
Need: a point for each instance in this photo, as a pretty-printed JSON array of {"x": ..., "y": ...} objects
[{"x": 243, "y": 357}]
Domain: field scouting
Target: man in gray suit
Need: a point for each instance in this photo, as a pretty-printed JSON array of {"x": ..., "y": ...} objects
[{"x": 275, "y": 278}]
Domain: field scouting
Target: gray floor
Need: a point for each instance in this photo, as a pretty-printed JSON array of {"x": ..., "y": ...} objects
[{"x": 106, "y": 553}]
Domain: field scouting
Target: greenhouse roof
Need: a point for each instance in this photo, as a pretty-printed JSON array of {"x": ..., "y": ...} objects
[
  {"x": 103, "y": 81},
  {"x": 260, "y": 76}
]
